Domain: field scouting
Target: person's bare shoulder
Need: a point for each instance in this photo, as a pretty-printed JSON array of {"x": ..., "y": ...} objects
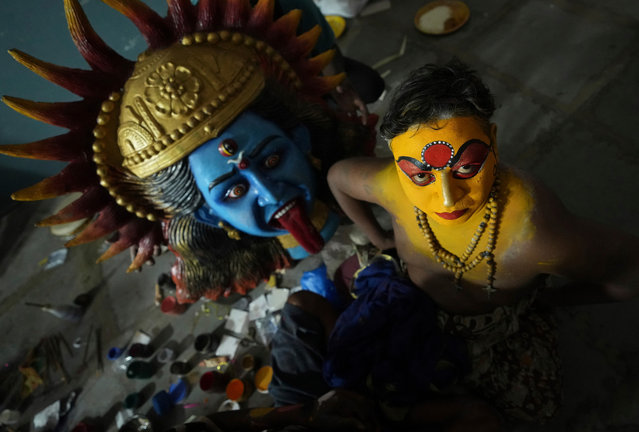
[
  {"x": 554, "y": 239},
  {"x": 360, "y": 178}
]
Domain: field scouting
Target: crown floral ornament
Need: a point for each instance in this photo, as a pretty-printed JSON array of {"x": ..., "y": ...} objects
[{"x": 205, "y": 63}]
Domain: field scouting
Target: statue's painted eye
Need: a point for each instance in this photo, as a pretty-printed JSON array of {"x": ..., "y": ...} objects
[
  {"x": 272, "y": 161},
  {"x": 227, "y": 147},
  {"x": 236, "y": 191}
]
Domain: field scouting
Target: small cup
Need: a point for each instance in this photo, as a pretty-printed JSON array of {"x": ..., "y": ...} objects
[
  {"x": 140, "y": 370},
  {"x": 162, "y": 403},
  {"x": 180, "y": 368},
  {"x": 213, "y": 382},
  {"x": 132, "y": 401},
  {"x": 202, "y": 343},
  {"x": 228, "y": 405},
  {"x": 165, "y": 355},
  {"x": 140, "y": 350},
  {"x": 263, "y": 378},
  {"x": 239, "y": 390},
  {"x": 247, "y": 362}
]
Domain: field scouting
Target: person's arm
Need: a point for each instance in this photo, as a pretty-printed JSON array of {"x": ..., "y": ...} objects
[
  {"x": 354, "y": 185},
  {"x": 345, "y": 96},
  {"x": 602, "y": 262}
]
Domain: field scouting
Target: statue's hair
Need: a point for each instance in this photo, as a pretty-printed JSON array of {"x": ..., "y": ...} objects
[
  {"x": 434, "y": 92},
  {"x": 210, "y": 264}
]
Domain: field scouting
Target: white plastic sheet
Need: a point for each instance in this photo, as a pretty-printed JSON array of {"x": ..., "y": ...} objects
[{"x": 345, "y": 8}]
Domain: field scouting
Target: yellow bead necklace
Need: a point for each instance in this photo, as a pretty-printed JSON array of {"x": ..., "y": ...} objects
[{"x": 460, "y": 265}]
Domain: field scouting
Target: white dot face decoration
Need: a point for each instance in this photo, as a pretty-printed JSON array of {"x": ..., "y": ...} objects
[
  {"x": 446, "y": 171},
  {"x": 439, "y": 155}
]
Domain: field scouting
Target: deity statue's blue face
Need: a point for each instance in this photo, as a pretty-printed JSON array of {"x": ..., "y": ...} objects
[{"x": 257, "y": 178}]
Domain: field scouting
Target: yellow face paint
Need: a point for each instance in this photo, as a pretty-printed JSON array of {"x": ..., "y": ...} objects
[{"x": 446, "y": 168}]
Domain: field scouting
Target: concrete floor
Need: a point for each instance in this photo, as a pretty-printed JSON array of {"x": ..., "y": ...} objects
[{"x": 564, "y": 74}]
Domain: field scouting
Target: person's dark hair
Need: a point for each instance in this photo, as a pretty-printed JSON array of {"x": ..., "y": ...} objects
[{"x": 433, "y": 92}]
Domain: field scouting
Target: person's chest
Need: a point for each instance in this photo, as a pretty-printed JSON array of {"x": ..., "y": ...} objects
[{"x": 467, "y": 267}]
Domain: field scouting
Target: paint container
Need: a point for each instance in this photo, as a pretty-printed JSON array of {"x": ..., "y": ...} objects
[
  {"x": 85, "y": 427},
  {"x": 132, "y": 401},
  {"x": 228, "y": 405},
  {"x": 139, "y": 350},
  {"x": 178, "y": 391},
  {"x": 206, "y": 343},
  {"x": 140, "y": 370},
  {"x": 114, "y": 353},
  {"x": 247, "y": 362},
  {"x": 162, "y": 403},
  {"x": 165, "y": 355},
  {"x": 141, "y": 337},
  {"x": 214, "y": 382},
  {"x": 263, "y": 378},
  {"x": 137, "y": 423},
  {"x": 239, "y": 390},
  {"x": 180, "y": 368},
  {"x": 202, "y": 343},
  {"x": 170, "y": 306}
]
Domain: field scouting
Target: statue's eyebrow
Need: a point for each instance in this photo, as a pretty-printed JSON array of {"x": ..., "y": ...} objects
[
  {"x": 258, "y": 148},
  {"x": 221, "y": 178}
]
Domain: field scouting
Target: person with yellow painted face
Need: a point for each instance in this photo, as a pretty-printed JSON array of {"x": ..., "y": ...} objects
[{"x": 480, "y": 238}]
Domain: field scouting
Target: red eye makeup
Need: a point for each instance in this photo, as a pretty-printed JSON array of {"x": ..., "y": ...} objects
[
  {"x": 416, "y": 171},
  {"x": 469, "y": 159},
  {"x": 438, "y": 155}
]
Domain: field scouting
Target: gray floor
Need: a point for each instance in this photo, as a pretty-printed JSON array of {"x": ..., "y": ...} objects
[{"x": 564, "y": 73}]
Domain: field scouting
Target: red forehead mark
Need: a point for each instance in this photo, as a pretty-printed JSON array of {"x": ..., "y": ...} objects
[
  {"x": 438, "y": 154},
  {"x": 243, "y": 164}
]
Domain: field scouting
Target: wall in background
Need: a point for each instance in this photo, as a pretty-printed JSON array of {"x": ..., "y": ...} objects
[{"x": 39, "y": 28}]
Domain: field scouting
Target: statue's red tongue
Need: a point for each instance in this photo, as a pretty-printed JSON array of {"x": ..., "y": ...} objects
[{"x": 297, "y": 222}]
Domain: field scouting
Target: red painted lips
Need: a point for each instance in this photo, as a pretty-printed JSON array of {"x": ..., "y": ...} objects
[{"x": 453, "y": 215}]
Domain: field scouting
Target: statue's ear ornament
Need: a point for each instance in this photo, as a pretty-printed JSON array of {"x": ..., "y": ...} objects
[{"x": 205, "y": 64}]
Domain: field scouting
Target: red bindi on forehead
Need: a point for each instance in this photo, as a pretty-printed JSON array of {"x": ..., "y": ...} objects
[{"x": 437, "y": 154}]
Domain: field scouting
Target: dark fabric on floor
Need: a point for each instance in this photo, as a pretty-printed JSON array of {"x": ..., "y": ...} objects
[
  {"x": 297, "y": 356},
  {"x": 388, "y": 340}
]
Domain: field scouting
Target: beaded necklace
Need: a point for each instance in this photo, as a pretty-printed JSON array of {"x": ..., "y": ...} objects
[{"x": 460, "y": 265}]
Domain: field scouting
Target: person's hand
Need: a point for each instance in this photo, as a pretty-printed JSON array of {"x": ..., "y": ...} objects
[
  {"x": 349, "y": 102},
  {"x": 343, "y": 410}
]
